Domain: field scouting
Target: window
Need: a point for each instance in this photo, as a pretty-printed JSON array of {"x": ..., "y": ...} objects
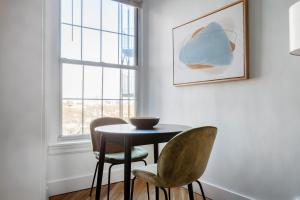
[{"x": 98, "y": 62}]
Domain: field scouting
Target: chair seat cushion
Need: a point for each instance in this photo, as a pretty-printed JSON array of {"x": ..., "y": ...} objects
[
  {"x": 148, "y": 174},
  {"x": 137, "y": 154}
]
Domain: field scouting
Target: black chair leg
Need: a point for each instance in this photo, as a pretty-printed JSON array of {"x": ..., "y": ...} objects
[
  {"x": 132, "y": 187},
  {"x": 94, "y": 178},
  {"x": 108, "y": 182},
  {"x": 148, "y": 191},
  {"x": 144, "y": 161},
  {"x": 147, "y": 183},
  {"x": 165, "y": 192},
  {"x": 191, "y": 193},
  {"x": 201, "y": 188},
  {"x": 109, "y": 176},
  {"x": 169, "y": 190}
]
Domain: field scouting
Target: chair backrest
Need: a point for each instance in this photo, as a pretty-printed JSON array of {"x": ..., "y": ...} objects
[
  {"x": 96, "y": 137},
  {"x": 184, "y": 158}
]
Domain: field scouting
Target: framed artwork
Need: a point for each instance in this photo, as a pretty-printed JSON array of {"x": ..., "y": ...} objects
[{"x": 212, "y": 48}]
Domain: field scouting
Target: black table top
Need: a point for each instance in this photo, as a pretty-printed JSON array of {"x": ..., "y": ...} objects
[{"x": 128, "y": 129}]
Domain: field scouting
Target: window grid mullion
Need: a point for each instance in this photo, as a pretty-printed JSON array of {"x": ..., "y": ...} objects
[
  {"x": 102, "y": 85},
  {"x": 72, "y": 19},
  {"x": 121, "y": 79},
  {"x": 83, "y": 70},
  {"x": 128, "y": 29},
  {"x": 128, "y": 90},
  {"x": 120, "y": 99},
  {"x": 100, "y": 30},
  {"x": 121, "y": 32},
  {"x": 93, "y": 99},
  {"x": 83, "y": 100},
  {"x": 119, "y": 58},
  {"x": 118, "y": 35},
  {"x": 96, "y": 29},
  {"x": 136, "y": 38},
  {"x": 97, "y": 64},
  {"x": 102, "y": 93}
]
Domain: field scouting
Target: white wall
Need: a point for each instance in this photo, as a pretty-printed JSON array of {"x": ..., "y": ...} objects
[
  {"x": 257, "y": 151},
  {"x": 70, "y": 165},
  {"x": 22, "y": 153}
]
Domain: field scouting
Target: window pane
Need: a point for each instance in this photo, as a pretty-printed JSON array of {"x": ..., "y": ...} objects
[
  {"x": 132, "y": 108},
  {"x": 72, "y": 81},
  {"x": 127, "y": 19},
  {"x": 127, "y": 50},
  {"x": 110, "y": 15},
  {"x": 70, "y": 42},
  {"x": 92, "y": 110},
  {"x": 72, "y": 117},
  {"x": 92, "y": 82},
  {"x": 111, "y": 108},
  {"x": 125, "y": 109},
  {"x": 110, "y": 48},
  {"x": 91, "y": 13},
  {"x": 132, "y": 84},
  {"x": 111, "y": 83},
  {"x": 90, "y": 92},
  {"x": 91, "y": 45},
  {"x": 66, "y": 11},
  {"x": 125, "y": 83}
]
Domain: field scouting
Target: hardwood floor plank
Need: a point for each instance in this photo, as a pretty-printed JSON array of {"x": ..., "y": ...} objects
[{"x": 116, "y": 193}]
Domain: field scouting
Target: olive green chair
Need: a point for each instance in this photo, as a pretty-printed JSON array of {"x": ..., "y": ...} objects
[
  {"x": 182, "y": 161},
  {"x": 114, "y": 152}
]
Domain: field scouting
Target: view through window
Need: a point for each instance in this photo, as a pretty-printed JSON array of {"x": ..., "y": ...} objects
[{"x": 98, "y": 62}]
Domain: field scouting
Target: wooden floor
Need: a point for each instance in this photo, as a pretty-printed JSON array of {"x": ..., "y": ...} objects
[{"x": 116, "y": 193}]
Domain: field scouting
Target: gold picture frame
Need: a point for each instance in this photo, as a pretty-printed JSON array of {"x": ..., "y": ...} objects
[{"x": 244, "y": 47}]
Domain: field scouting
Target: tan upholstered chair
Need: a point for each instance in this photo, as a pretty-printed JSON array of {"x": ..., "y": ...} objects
[
  {"x": 182, "y": 161},
  {"x": 114, "y": 152}
]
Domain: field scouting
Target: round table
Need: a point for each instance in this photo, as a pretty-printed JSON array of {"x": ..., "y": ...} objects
[{"x": 129, "y": 136}]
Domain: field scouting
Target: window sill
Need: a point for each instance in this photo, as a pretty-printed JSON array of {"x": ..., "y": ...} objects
[
  {"x": 75, "y": 138},
  {"x": 70, "y": 147}
]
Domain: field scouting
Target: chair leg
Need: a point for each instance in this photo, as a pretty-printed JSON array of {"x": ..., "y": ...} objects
[
  {"x": 94, "y": 178},
  {"x": 201, "y": 188},
  {"x": 132, "y": 187},
  {"x": 148, "y": 191},
  {"x": 165, "y": 193},
  {"x": 109, "y": 175},
  {"x": 147, "y": 183},
  {"x": 169, "y": 190},
  {"x": 108, "y": 185},
  {"x": 108, "y": 182},
  {"x": 191, "y": 193},
  {"x": 144, "y": 161}
]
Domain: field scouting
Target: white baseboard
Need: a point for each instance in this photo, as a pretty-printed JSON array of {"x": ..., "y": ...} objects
[
  {"x": 72, "y": 184},
  {"x": 218, "y": 193},
  {"x": 82, "y": 182}
]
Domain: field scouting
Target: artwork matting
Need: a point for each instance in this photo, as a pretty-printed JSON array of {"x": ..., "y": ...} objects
[{"x": 230, "y": 19}]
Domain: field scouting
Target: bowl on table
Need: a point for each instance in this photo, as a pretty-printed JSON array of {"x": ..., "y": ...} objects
[{"x": 144, "y": 122}]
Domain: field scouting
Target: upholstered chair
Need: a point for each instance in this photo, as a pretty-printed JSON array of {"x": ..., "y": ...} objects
[
  {"x": 182, "y": 161},
  {"x": 114, "y": 152}
]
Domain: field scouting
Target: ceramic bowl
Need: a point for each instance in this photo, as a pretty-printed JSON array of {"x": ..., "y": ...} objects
[{"x": 144, "y": 122}]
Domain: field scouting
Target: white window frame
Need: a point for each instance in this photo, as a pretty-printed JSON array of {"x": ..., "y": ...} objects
[{"x": 136, "y": 67}]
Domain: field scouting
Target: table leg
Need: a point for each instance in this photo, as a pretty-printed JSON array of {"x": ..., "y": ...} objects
[
  {"x": 127, "y": 167},
  {"x": 155, "y": 161},
  {"x": 191, "y": 193},
  {"x": 155, "y": 152},
  {"x": 100, "y": 168}
]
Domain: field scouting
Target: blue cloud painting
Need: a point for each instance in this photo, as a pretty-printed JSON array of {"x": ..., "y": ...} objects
[{"x": 208, "y": 47}]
